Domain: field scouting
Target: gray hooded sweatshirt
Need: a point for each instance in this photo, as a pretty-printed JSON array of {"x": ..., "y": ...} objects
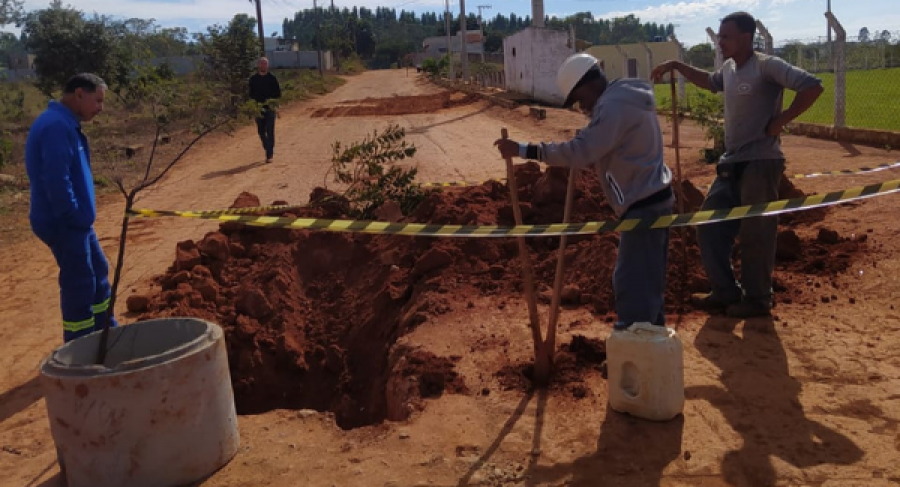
[{"x": 623, "y": 143}]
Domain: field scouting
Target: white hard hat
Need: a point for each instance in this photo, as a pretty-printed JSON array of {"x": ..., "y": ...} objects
[{"x": 572, "y": 71}]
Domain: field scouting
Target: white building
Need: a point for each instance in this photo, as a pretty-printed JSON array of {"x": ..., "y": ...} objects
[
  {"x": 531, "y": 59},
  {"x": 436, "y": 47}
]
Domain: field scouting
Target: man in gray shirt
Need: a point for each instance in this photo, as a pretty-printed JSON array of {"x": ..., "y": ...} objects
[{"x": 751, "y": 168}]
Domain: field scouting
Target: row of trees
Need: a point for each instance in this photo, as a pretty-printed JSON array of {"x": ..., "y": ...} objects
[
  {"x": 60, "y": 35},
  {"x": 65, "y": 41},
  {"x": 384, "y": 35}
]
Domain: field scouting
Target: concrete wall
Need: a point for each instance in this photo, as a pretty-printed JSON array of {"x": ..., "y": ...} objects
[
  {"x": 299, "y": 59},
  {"x": 873, "y": 138},
  {"x": 436, "y": 47},
  {"x": 277, "y": 60},
  {"x": 180, "y": 64},
  {"x": 617, "y": 59},
  {"x": 531, "y": 59},
  {"x": 13, "y": 75}
]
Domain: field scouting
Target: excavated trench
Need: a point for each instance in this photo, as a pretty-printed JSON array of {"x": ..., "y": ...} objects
[
  {"x": 312, "y": 318},
  {"x": 398, "y": 105}
]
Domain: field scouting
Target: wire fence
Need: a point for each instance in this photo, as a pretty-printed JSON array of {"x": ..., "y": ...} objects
[{"x": 870, "y": 67}]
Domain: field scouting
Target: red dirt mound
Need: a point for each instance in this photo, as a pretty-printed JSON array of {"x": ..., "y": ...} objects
[
  {"x": 311, "y": 318},
  {"x": 398, "y": 105}
]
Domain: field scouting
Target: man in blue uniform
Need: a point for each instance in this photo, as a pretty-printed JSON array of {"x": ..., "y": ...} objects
[{"x": 63, "y": 209}]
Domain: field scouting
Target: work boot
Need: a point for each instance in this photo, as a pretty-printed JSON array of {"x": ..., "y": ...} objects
[
  {"x": 748, "y": 309},
  {"x": 712, "y": 301}
]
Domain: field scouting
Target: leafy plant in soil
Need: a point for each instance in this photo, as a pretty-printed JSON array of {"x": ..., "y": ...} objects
[{"x": 372, "y": 178}]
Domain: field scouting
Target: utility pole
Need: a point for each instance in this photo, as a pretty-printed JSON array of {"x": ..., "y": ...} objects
[
  {"x": 828, "y": 30},
  {"x": 318, "y": 40},
  {"x": 259, "y": 27},
  {"x": 450, "y": 71},
  {"x": 334, "y": 36},
  {"x": 463, "y": 52},
  {"x": 481, "y": 26},
  {"x": 480, "y": 8}
]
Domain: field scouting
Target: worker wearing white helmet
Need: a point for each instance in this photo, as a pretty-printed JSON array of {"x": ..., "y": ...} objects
[{"x": 623, "y": 144}]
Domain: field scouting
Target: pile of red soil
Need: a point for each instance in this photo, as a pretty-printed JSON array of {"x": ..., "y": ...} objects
[
  {"x": 398, "y": 105},
  {"x": 311, "y": 317}
]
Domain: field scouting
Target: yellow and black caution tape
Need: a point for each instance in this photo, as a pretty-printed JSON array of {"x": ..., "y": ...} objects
[
  {"x": 436, "y": 230},
  {"x": 846, "y": 172},
  {"x": 839, "y": 172},
  {"x": 249, "y": 209}
]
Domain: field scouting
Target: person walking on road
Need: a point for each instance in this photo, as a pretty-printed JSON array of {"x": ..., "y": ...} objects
[
  {"x": 751, "y": 168},
  {"x": 63, "y": 208},
  {"x": 264, "y": 87},
  {"x": 623, "y": 144}
]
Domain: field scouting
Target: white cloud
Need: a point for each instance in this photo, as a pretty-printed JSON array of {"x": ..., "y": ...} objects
[{"x": 686, "y": 11}]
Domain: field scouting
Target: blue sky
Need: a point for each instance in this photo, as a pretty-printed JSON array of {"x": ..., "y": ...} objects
[{"x": 785, "y": 19}]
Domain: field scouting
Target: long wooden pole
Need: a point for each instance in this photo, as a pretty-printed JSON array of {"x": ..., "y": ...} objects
[
  {"x": 550, "y": 343},
  {"x": 527, "y": 272},
  {"x": 675, "y": 142},
  {"x": 679, "y": 187}
]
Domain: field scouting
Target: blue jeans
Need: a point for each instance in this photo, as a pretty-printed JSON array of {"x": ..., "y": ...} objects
[
  {"x": 757, "y": 183},
  {"x": 639, "y": 280},
  {"x": 84, "y": 289}
]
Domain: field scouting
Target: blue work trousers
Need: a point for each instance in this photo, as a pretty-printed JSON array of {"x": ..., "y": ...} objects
[
  {"x": 639, "y": 279},
  {"x": 84, "y": 289}
]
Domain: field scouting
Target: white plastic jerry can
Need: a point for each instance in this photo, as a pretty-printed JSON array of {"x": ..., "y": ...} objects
[{"x": 645, "y": 371}]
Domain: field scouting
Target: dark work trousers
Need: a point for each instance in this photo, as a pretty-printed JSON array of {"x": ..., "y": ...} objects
[
  {"x": 756, "y": 183},
  {"x": 265, "y": 125},
  {"x": 84, "y": 289},
  {"x": 639, "y": 280}
]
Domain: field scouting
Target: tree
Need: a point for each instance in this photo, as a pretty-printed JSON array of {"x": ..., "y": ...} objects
[
  {"x": 885, "y": 36},
  {"x": 702, "y": 56},
  {"x": 10, "y": 11},
  {"x": 231, "y": 53},
  {"x": 493, "y": 42},
  {"x": 64, "y": 44},
  {"x": 864, "y": 34}
]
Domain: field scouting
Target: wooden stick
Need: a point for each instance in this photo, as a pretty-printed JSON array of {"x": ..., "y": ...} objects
[
  {"x": 550, "y": 344},
  {"x": 679, "y": 193},
  {"x": 675, "y": 141},
  {"x": 527, "y": 273}
]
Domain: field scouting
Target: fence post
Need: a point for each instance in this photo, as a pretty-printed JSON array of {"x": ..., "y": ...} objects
[
  {"x": 840, "y": 71},
  {"x": 715, "y": 40},
  {"x": 769, "y": 47},
  {"x": 683, "y": 58}
]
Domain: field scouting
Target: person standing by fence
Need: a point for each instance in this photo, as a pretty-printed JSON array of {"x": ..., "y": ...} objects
[
  {"x": 63, "y": 208},
  {"x": 750, "y": 169},
  {"x": 264, "y": 87}
]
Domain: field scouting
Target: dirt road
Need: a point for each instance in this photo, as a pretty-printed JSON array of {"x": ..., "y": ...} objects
[{"x": 808, "y": 398}]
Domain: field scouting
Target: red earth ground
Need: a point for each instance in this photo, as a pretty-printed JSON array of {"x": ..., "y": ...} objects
[{"x": 376, "y": 360}]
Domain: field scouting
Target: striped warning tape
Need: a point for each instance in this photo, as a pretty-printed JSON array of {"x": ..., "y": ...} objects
[
  {"x": 250, "y": 209},
  {"x": 839, "y": 172},
  {"x": 845, "y": 172},
  {"x": 435, "y": 230}
]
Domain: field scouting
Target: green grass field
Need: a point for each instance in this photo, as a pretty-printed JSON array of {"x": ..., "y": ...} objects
[{"x": 873, "y": 100}]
